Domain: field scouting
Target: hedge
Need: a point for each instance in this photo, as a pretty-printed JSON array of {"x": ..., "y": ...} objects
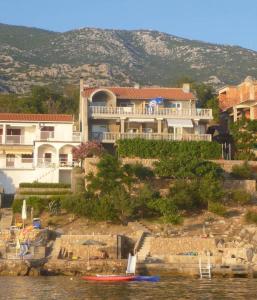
[
  {"x": 63, "y": 192},
  {"x": 43, "y": 185},
  {"x": 157, "y": 149}
]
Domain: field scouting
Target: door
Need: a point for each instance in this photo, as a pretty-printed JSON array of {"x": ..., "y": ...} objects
[
  {"x": 98, "y": 131},
  {"x": 48, "y": 157},
  {"x": 47, "y": 132},
  {"x": 63, "y": 159},
  {"x": 10, "y": 160}
]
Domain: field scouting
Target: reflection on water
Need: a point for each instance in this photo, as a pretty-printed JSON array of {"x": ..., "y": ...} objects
[{"x": 169, "y": 288}]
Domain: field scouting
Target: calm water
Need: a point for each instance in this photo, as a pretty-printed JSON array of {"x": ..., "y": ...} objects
[{"x": 168, "y": 288}]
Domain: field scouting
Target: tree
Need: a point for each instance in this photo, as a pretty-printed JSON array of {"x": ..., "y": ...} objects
[
  {"x": 88, "y": 149},
  {"x": 244, "y": 135},
  {"x": 110, "y": 175}
]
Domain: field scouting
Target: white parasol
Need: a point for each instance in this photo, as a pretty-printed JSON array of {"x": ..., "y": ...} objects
[{"x": 24, "y": 211}]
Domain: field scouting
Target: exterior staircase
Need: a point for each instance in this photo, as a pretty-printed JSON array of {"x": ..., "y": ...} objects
[{"x": 144, "y": 250}]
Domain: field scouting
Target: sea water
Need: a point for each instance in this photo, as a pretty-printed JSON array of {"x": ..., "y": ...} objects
[{"x": 168, "y": 288}]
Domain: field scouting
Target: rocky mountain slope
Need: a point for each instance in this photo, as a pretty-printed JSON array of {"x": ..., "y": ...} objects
[{"x": 31, "y": 56}]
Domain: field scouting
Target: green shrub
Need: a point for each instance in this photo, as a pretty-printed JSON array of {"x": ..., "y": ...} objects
[
  {"x": 140, "y": 171},
  {"x": 243, "y": 171},
  {"x": 240, "y": 197},
  {"x": 186, "y": 166},
  {"x": 38, "y": 205},
  {"x": 161, "y": 148},
  {"x": 43, "y": 185},
  {"x": 251, "y": 216},
  {"x": 61, "y": 192},
  {"x": 168, "y": 210},
  {"x": 217, "y": 208},
  {"x": 184, "y": 194}
]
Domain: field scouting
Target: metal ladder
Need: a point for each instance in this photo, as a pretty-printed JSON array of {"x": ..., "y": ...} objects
[{"x": 205, "y": 269}]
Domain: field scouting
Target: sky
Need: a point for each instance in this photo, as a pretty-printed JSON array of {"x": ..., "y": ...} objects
[{"x": 231, "y": 22}]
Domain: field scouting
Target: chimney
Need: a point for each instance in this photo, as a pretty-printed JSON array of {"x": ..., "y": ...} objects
[
  {"x": 186, "y": 87},
  {"x": 136, "y": 86}
]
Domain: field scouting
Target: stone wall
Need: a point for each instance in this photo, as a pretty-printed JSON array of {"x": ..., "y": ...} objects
[
  {"x": 226, "y": 165},
  {"x": 68, "y": 246},
  {"x": 172, "y": 246},
  {"x": 246, "y": 185}
]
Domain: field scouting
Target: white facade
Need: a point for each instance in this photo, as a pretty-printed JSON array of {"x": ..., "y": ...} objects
[{"x": 36, "y": 148}]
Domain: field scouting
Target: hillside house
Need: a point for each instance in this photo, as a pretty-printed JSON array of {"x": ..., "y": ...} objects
[
  {"x": 111, "y": 113},
  {"x": 240, "y": 101},
  {"x": 36, "y": 147}
]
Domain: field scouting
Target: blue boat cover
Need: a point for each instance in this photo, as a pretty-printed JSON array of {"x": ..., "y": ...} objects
[{"x": 147, "y": 278}]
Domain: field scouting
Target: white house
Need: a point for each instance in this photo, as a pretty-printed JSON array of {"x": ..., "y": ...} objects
[{"x": 36, "y": 147}]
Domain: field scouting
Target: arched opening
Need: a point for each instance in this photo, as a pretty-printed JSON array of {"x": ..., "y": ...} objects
[
  {"x": 47, "y": 155},
  {"x": 65, "y": 156},
  {"x": 103, "y": 98}
]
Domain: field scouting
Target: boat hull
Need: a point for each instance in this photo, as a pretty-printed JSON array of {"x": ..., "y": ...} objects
[{"x": 108, "y": 278}]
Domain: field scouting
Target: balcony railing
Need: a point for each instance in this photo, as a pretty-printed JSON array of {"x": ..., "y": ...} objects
[
  {"x": 46, "y": 135},
  {"x": 15, "y": 139},
  {"x": 16, "y": 163},
  {"x": 107, "y": 111},
  {"x": 111, "y": 137}
]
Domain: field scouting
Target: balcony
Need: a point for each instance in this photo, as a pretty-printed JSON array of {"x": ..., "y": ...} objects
[
  {"x": 15, "y": 139},
  {"x": 116, "y": 112},
  {"x": 112, "y": 137},
  {"x": 46, "y": 135}
]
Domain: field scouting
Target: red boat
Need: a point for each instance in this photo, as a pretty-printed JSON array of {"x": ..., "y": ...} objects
[{"x": 109, "y": 278}]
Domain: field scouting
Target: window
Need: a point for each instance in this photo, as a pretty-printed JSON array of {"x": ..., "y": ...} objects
[
  {"x": 173, "y": 105},
  {"x": 47, "y": 132},
  {"x": 13, "y": 131}
]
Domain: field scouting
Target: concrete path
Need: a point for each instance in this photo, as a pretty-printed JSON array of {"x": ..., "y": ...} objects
[{"x": 6, "y": 218}]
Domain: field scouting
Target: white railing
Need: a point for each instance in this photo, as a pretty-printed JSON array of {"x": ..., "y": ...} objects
[
  {"x": 16, "y": 163},
  {"x": 201, "y": 113},
  {"x": 66, "y": 163},
  {"x": 114, "y": 136},
  {"x": 46, "y": 163},
  {"x": 15, "y": 139}
]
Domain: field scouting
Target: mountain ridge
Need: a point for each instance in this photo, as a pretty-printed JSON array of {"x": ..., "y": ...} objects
[{"x": 30, "y": 56}]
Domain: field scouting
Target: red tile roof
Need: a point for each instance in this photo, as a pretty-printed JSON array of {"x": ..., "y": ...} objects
[
  {"x": 35, "y": 117},
  {"x": 144, "y": 93}
]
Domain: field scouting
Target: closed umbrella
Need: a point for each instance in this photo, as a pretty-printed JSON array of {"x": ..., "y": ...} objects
[{"x": 24, "y": 212}]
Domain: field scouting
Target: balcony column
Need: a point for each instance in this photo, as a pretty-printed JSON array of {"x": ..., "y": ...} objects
[
  {"x": 251, "y": 113},
  {"x": 122, "y": 125},
  {"x": 235, "y": 114},
  {"x": 35, "y": 157},
  {"x": 56, "y": 160},
  {"x": 159, "y": 126},
  {"x": 4, "y": 134}
]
